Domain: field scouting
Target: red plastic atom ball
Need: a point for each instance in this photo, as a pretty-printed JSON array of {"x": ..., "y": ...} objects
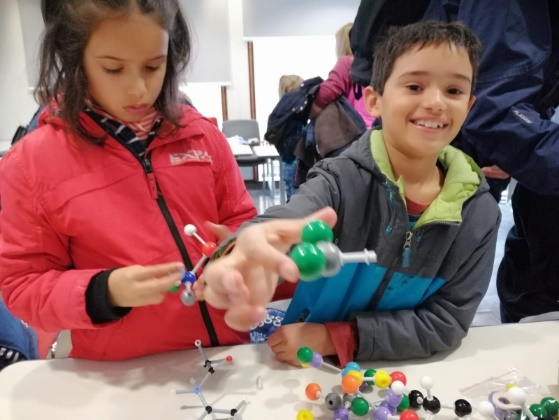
[
  {"x": 229, "y": 359},
  {"x": 208, "y": 249},
  {"x": 312, "y": 390},
  {"x": 398, "y": 376},
  {"x": 409, "y": 415}
]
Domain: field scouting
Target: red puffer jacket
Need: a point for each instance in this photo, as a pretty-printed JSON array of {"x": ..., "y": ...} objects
[{"x": 71, "y": 209}]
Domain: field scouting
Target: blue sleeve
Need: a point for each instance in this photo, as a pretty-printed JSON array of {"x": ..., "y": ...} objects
[
  {"x": 507, "y": 125},
  {"x": 17, "y": 340}
]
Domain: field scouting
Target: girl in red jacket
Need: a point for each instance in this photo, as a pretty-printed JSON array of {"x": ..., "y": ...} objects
[{"x": 94, "y": 201}]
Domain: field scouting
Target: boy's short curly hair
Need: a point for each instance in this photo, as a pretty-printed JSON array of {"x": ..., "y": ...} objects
[{"x": 400, "y": 40}]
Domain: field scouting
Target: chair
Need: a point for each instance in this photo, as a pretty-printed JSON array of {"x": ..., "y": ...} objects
[{"x": 247, "y": 129}]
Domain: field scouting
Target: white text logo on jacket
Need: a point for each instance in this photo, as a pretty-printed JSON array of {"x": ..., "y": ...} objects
[{"x": 190, "y": 156}]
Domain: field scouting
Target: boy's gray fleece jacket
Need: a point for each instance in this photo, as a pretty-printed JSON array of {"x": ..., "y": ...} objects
[{"x": 429, "y": 305}]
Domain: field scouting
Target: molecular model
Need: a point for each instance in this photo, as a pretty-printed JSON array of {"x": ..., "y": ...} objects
[
  {"x": 397, "y": 404},
  {"x": 511, "y": 405},
  {"x": 187, "y": 296},
  {"x": 210, "y": 366},
  {"x": 317, "y": 256}
]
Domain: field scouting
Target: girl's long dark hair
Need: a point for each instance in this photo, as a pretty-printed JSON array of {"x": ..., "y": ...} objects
[{"x": 68, "y": 24}]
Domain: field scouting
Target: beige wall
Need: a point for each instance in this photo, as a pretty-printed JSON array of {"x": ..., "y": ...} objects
[{"x": 16, "y": 103}]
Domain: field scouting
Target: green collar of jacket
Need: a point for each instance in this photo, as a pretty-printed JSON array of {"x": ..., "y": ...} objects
[{"x": 462, "y": 179}]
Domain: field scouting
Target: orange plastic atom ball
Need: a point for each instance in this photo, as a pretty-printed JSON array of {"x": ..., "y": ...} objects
[
  {"x": 312, "y": 390},
  {"x": 350, "y": 384}
]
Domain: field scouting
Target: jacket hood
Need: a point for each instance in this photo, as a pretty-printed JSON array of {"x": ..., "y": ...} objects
[{"x": 463, "y": 178}]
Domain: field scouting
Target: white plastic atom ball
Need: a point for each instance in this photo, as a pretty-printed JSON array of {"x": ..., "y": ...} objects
[
  {"x": 426, "y": 382},
  {"x": 188, "y": 298},
  {"x": 398, "y": 387},
  {"x": 486, "y": 409},
  {"x": 190, "y": 230},
  {"x": 516, "y": 396}
]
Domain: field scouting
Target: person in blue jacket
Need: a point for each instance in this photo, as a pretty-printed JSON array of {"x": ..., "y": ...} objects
[
  {"x": 510, "y": 129},
  {"x": 17, "y": 340},
  {"x": 291, "y": 134}
]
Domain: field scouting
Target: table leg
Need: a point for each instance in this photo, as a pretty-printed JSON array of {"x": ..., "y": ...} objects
[
  {"x": 273, "y": 181},
  {"x": 281, "y": 183}
]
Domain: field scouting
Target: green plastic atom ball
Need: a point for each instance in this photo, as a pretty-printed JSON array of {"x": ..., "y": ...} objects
[
  {"x": 304, "y": 355},
  {"x": 369, "y": 373},
  {"x": 359, "y": 406},
  {"x": 309, "y": 259},
  {"x": 317, "y": 231},
  {"x": 404, "y": 404},
  {"x": 174, "y": 289},
  {"x": 538, "y": 410},
  {"x": 551, "y": 405}
]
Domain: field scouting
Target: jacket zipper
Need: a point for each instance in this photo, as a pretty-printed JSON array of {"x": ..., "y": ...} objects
[
  {"x": 406, "y": 253},
  {"x": 379, "y": 293},
  {"x": 384, "y": 284},
  {"x": 405, "y": 257},
  {"x": 156, "y": 195},
  {"x": 407, "y": 250}
]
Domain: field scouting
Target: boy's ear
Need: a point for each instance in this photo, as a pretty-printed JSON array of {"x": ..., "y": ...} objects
[
  {"x": 372, "y": 102},
  {"x": 471, "y": 102}
]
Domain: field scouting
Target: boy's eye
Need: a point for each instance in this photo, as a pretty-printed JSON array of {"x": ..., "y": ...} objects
[
  {"x": 414, "y": 88},
  {"x": 454, "y": 91},
  {"x": 152, "y": 69},
  {"x": 113, "y": 71}
]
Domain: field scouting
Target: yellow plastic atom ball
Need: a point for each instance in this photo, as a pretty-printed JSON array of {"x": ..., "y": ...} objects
[
  {"x": 382, "y": 379},
  {"x": 304, "y": 415},
  {"x": 509, "y": 386},
  {"x": 357, "y": 375},
  {"x": 305, "y": 365}
]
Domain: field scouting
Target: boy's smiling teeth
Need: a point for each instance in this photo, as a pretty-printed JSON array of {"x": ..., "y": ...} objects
[{"x": 428, "y": 123}]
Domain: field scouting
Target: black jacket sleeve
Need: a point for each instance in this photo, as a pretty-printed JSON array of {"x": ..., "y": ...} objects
[
  {"x": 97, "y": 303},
  {"x": 373, "y": 19}
]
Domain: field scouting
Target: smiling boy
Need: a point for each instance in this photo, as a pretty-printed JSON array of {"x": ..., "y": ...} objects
[{"x": 422, "y": 205}]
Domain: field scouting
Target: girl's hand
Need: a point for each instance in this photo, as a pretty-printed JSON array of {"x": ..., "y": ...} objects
[
  {"x": 139, "y": 286},
  {"x": 244, "y": 281}
]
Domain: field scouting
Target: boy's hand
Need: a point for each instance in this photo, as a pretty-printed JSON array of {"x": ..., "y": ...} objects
[
  {"x": 139, "y": 286},
  {"x": 198, "y": 288},
  {"x": 288, "y": 339},
  {"x": 220, "y": 232},
  {"x": 244, "y": 281}
]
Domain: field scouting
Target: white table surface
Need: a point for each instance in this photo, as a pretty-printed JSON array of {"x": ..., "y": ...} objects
[
  {"x": 267, "y": 151},
  {"x": 139, "y": 389}
]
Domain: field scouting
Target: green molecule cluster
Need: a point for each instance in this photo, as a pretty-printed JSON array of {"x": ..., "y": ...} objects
[
  {"x": 308, "y": 257},
  {"x": 547, "y": 407}
]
